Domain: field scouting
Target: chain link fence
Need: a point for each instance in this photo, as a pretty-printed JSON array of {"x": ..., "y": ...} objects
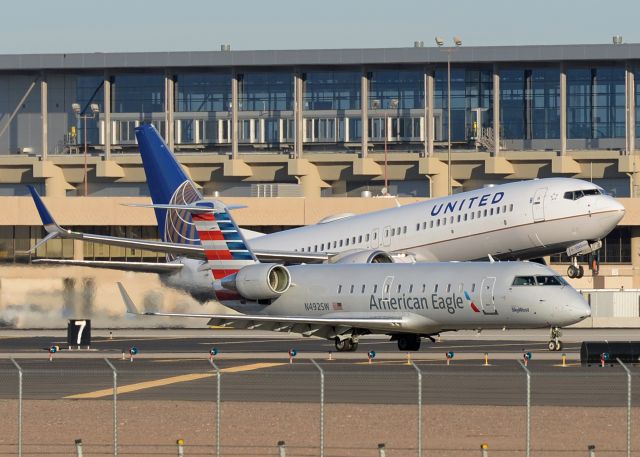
[{"x": 196, "y": 407}]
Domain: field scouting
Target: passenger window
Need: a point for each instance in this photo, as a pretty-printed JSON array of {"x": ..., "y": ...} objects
[
  {"x": 504, "y": 209},
  {"x": 411, "y": 288},
  {"x": 363, "y": 288},
  {"x": 375, "y": 288},
  {"x": 424, "y": 225},
  {"x": 424, "y": 288},
  {"x": 465, "y": 217},
  {"x": 315, "y": 248},
  {"x": 451, "y": 220},
  {"x": 418, "y": 227},
  {"x": 498, "y": 210},
  {"x": 404, "y": 229},
  {"x": 322, "y": 247},
  {"x": 386, "y": 233},
  {"x": 353, "y": 240},
  {"x": 431, "y": 224},
  {"x": 360, "y": 239},
  {"x": 473, "y": 216},
  {"x": 346, "y": 242},
  {"x": 511, "y": 207},
  {"x": 438, "y": 223},
  {"x": 435, "y": 289},
  {"x": 485, "y": 213},
  {"x": 375, "y": 235},
  {"x": 352, "y": 288},
  {"x": 393, "y": 232},
  {"x": 479, "y": 214},
  {"x": 523, "y": 281},
  {"x": 366, "y": 238},
  {"x": 490, "y": 212},
  {"x": 334, "y": 244},
  {"x": 459, "y": 218},
  {"x": 340, "y": 243},
  {"x": 386, "y": 288},
  {"x": 448, "y": 288},
  {"x": 340, "y": 289},
  {"x": 444, "y": 221},
  {"x": 473, "y": 287},
  {"x": 399, "y": 287}
]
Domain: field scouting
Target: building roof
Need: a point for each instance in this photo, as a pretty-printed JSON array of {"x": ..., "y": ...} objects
[{"x": 312, "y": 57}]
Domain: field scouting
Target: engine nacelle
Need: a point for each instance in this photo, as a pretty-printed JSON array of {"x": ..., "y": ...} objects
[
  {"x": 362, "y": 256},
  {"x": 261, "y": 281}
]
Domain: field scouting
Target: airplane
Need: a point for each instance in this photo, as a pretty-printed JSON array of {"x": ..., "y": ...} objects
[
  {"x": 514, "y": 221},
  {"x": 342, "y": 302}
]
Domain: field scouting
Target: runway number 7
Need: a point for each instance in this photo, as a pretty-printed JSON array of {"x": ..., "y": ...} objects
[{"x": 82, "y": 325}]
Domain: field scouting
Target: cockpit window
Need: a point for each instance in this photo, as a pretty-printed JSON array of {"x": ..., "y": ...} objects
[
  {"x": 576, "y": 194},
  {"x": 524, "y": 281},
  {"x": 550, "y": 281}
]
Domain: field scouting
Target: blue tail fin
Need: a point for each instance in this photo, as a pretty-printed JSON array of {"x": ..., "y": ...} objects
[{"x": 168, "y": 184}]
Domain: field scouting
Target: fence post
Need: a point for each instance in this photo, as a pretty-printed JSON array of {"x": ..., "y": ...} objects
[
  {"x": 528, "y": 373},
  {"x": 78, "y": 448},
  {"x": 19, "y": 407},
  {"x": 321, "y": 407},
  {"x": 282, "y": 450},
  {"x": 115, "y": 407},
  {"x": 592, "y": 450},
  {"x": 382, "y": 451},
  {"x": 419, "y": 408},
  {"x": 180, "y": 444},
  {"x": 218, "y": 381},
  {"x": 484, "y": 450},
  {"x": 628, "y": 406}
]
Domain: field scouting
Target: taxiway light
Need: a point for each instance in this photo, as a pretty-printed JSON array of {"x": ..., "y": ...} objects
[
  {"x": 54, "y": 349},
  {"x": 450, "y": 354},
  {"x": 527, "y": 355},
  {"x": 133, "y": 350},
  {"x": 213, "y": 351},
  {"x": 292, "y": 352},
  {"x": 372, "y": 354}
]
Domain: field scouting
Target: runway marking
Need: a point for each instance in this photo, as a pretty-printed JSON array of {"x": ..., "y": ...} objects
[
  {"x": 168, "y": 381},
  {"x": 115, "y": 340},
  {"x": 572, "y": 364},
  {"x": 252, "y": 341}
]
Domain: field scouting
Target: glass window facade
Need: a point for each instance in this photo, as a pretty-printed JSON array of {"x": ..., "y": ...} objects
[
  {"x": 203, "y": 92},
  {"x": 332, "y": 90},
  {"x": 470, "y": 89},
  {"x": 595, "y": 102},
  {"x": 265, "y": 91},
  {"x": 138, "y": 93},
  {"x": 405, "y": 86},
  {"x": 616, "y": 248},
  {"x": 530, "y": 103}
]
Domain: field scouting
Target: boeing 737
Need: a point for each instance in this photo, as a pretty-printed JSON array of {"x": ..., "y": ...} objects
[
  {"x": 345, "y": 301},
  {"x": 520, "y": 220}
]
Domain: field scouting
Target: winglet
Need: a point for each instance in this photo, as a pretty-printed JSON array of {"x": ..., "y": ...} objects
[
  {"x": 47, "y": 219},
  {"x": 131, "y": 307}
]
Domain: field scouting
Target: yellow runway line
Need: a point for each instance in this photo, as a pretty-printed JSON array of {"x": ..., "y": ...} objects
[{"x": 168, "y": 381}]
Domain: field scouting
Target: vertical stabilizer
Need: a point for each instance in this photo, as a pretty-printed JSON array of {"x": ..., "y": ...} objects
[{"x": 168, "y": 184}]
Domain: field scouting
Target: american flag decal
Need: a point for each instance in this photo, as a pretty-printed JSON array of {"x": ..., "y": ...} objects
[{"x": 336, "y": 306}]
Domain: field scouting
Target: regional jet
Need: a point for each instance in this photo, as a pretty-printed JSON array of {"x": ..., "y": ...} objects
[
  {"x": 342, "y": 302},
  {"x": 514, "y": 221}
]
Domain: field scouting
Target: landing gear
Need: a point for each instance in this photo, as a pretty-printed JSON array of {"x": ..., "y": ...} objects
[
  {"x": 554, "y": 343},
  {"x": 575, "y": 270},
  {"x": 346, "y": 344},
  {"x": 409, "y": 342}
]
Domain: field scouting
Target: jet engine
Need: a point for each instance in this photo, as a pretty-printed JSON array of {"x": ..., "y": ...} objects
[
  {"x": 261, "y": 281},
  {"x": 362, "y": 256}
]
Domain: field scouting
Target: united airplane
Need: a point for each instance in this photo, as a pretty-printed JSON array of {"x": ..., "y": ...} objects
[
  {"x": 342, "y": 302},
  {"x": 520, "y": 220}
]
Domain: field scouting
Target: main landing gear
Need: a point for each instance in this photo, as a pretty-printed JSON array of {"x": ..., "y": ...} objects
[
  {"x": 409, "y": 342},
  {"x": 554, "y": 343},
  {"x": 348, "y": 344}
]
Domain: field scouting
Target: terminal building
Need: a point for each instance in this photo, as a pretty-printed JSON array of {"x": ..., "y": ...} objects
[{"x": 299, "y": 135}]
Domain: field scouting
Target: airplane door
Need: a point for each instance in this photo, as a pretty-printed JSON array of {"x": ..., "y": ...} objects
[
  {"x": 386, "y": 288},
  {"x": 386, "y": 236},
  {"x": 486, "y": 296},
  {"x": 375, "y": 241},
  {"x": 538, "y": 204}
]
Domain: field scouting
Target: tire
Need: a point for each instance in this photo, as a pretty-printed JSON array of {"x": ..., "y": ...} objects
[
  {"x": 354, "y": 346},
  {"x": 409, "y": 343},
  {"x": 552, "y": 345},
  {"x": 580, "y": 272},
  {"x": 572, "y": 271},
  {"x": 341, "y": 345},
  {"x": 559, "y": 345}
]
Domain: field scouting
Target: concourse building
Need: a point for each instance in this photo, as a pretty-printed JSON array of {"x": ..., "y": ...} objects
[{"x": 299, "y": 135}]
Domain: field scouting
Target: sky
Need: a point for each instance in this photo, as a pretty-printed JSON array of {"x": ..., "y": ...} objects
[{"x": 68, "y": 26}]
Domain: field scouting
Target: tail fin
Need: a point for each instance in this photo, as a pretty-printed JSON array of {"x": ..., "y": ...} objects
[
  {"x": 168, "y": 184},
  {"x": 224, "y": 245}
]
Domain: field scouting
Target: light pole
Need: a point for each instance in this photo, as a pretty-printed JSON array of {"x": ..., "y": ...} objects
[
  {"x": 440, "y": 42},
  {"x": 95, "y": 109},
  {"x": 393, "y": 104}
]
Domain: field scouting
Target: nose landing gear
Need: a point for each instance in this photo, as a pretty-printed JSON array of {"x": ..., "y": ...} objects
[{"x": 554, "y": 343}]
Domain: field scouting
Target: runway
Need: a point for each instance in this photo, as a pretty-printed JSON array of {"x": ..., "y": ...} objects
[{"x": 174, "y": 365}]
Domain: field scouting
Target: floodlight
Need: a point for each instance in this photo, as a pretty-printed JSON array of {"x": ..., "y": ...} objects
[
  {"x": 76, "y": 108},
  {"x": 393, "y": 103},
  {"x": 457, "y": 40},
  {"x": 439, "y": 40},
  {"x": 95, "y": 108},
  {"x": 375, "y": 104}
]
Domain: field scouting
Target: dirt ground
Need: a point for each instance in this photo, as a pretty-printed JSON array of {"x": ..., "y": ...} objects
[{"x": 147, "y": 428}]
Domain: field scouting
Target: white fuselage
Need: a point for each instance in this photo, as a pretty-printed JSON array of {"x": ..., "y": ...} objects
[
  {"x": 521, "y": 220},
  {"x": 430, "y": 297}
]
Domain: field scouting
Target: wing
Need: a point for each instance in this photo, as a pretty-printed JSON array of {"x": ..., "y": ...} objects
[
  {"x": 325, "y": 327},
  {"x": 144, "y": 267}
]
